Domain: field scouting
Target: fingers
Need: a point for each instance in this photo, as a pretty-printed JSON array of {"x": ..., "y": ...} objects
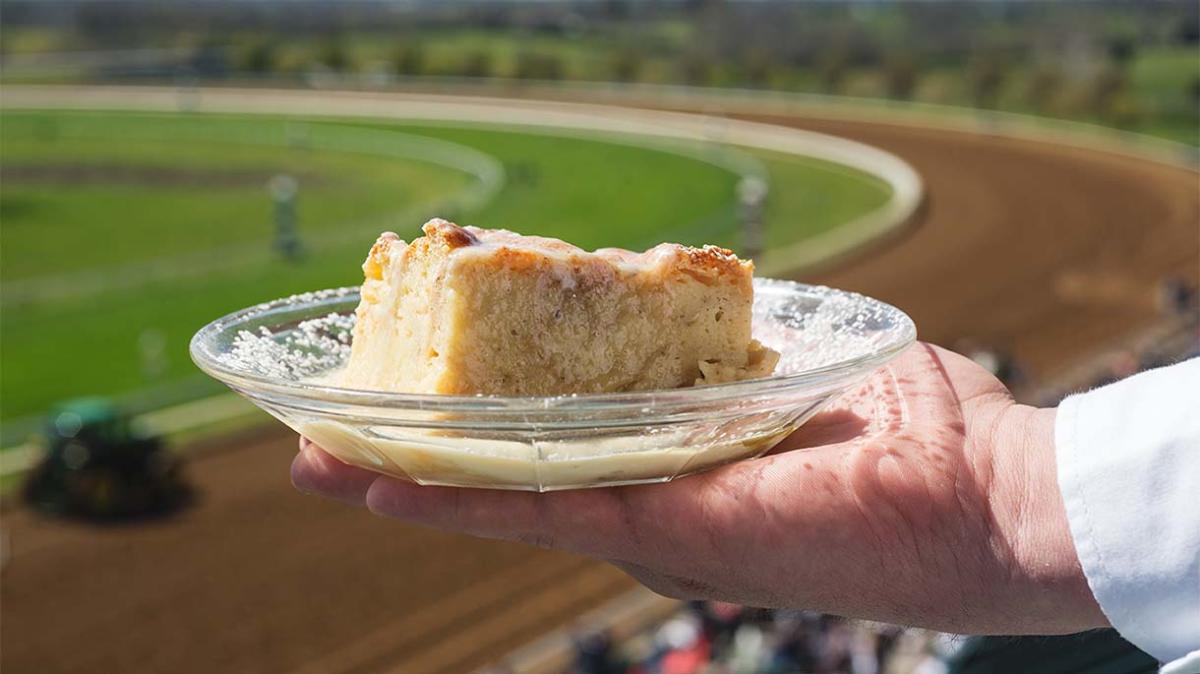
[
  {"x": 730, "y": 533},
  {"x": 922, "y": 389},
  {"x": 653, "y": 525},
  {"x": 968, "y": 382},
  {"x": 595, "y": 522},
  {"x": 914, "y": 388},
  {"x": 316, "y": 472},
  {"x": 835, "y": 426}
]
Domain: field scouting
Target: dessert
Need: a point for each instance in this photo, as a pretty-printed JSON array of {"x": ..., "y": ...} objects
[{"x": 464, "y": 310}]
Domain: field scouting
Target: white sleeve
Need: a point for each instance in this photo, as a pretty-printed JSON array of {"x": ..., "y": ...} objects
[{"x": 1129, "y": 470}]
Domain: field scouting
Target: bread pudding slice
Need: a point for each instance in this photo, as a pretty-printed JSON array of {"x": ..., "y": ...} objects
[{"x": 464, "y": 310}]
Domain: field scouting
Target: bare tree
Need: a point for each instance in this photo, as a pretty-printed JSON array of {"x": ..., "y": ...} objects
[
  {"x": 756, "y": 66},
  {"x": 1106, "y": 86},
  {"x": 258, "y": 56},
  {"x": 1043, "y": 87},
  {"x": 539, "y": 66},
  {"x": 409, "y": 59},
  {"x": 333, "y": 55},
  {"x": 986, "y": 72},
  {"x": 831, "y": 69},
  {"x": 625, "y": 64},
  {"x": 477, "y": 63},
  {"x": 695, "y": 68},
  {"x": 900, "y": 74}
]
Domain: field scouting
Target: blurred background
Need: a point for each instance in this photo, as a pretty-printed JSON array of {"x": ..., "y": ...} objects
[{"x": 1021, "y": 179}]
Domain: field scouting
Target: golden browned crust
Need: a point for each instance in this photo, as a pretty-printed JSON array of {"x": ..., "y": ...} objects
[
  {"x": 516, "y": 251},
  {"x": 377, "y": 258},
  {"x": 449, "y": 234}
]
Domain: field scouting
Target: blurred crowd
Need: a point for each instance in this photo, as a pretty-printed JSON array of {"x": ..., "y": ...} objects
[{"x": 721, "y": 638}]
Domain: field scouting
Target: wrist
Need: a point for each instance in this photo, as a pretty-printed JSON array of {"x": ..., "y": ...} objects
[{"x": 1035, "y": 536}]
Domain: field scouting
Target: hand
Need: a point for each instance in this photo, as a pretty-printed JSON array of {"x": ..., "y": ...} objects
[{"x": 926, "y": 497}]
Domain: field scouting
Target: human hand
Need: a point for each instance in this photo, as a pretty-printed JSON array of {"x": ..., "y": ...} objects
[{"x": 927, "y": 497}]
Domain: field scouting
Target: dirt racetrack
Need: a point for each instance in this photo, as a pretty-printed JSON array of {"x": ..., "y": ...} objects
[
  {"x": 1050, "y": 251},
  {"x": 259, "y": 578},
  {"x": 1046, "y": 251}
]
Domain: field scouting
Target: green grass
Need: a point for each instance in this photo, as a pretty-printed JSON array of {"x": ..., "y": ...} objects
[
  {"x": 808, "y": 197},
  {"x": 1165, "y": 71},
  {"x": 1163, "y": 78},
  {"x": 590, "y": 192},
  {"x": 110, "y": 219},
  {"x": 118, "y": 226}
]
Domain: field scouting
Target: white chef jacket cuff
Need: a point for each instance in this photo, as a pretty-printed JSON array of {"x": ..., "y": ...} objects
[
  {"x": 1188, "y": 664},
  {"x": 1129, "y": 470}
]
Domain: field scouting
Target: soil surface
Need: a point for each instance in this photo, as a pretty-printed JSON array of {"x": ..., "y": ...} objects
[{"x": 257, "y": 577}]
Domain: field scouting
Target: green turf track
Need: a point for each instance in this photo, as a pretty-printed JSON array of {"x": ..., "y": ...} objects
[{"x": 98, "y": 196}]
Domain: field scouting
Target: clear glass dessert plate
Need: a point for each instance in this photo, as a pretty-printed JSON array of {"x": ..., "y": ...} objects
[{"x": 278, "y": 355}]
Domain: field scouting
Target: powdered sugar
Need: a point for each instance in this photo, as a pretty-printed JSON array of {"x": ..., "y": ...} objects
[
  {"x": 822, "y": 326},
  {"x": 812, "y": 327},
  {"x": 296, "y": 352}
]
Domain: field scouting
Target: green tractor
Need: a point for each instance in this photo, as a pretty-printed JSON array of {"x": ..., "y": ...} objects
[{"x": 97, "y": 467}]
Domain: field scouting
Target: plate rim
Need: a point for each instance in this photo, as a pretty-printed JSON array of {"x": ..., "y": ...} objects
[{"x": 250, "y": 384}]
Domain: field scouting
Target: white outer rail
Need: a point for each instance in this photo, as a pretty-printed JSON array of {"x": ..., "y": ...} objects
[{"x": 907, "y": 189}]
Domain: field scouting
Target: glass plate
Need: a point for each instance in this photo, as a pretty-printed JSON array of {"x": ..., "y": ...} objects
[{"x": 277, "y": 354}]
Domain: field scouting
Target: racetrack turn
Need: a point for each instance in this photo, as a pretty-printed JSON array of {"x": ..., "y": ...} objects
[{"x": 1050, "y": 251}]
